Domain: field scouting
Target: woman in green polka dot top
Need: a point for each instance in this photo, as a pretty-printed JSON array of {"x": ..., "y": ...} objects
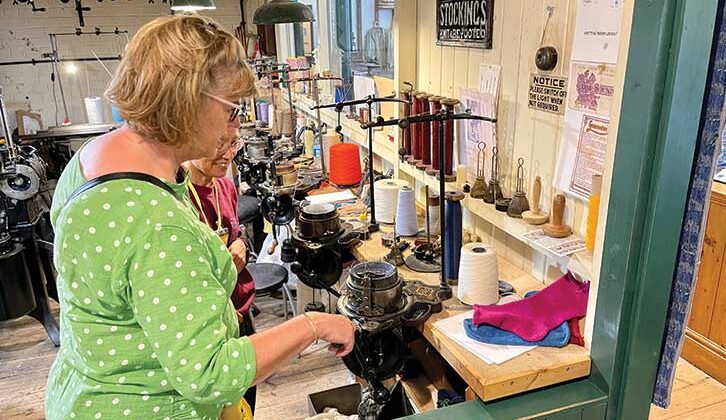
[{"x": 147, "y": 327}]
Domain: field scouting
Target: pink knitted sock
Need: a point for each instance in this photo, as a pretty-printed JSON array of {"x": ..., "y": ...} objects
[{"x": 532, "y": 318}]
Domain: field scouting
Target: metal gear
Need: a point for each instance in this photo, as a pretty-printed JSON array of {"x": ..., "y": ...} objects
[{"x": 23, "y": 184}]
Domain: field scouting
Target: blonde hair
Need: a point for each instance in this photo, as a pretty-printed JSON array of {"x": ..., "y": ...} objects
[{"x": 167, "y": 65}]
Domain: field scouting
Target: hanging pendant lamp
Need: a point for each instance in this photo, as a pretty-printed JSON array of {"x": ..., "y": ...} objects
[
  {"x": 282, "y": 11},
  {"x": 192, "y": 5}
]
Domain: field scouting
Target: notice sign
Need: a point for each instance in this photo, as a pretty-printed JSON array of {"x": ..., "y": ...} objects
[
  {"x": 464, "y": 23},
  {"x": 548, "y": 93}
]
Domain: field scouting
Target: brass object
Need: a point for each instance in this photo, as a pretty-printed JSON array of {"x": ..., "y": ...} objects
[
  {"x": 494, "y": 190},
  {"x": 480, "y": 185},
  {"x": 503, "y": 204},
  {"x": 519, "y": 203}
]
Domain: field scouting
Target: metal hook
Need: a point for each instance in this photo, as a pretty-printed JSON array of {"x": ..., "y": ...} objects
[
  {"x": 481, "y": 158},
  {"x": 520, "y": 175},
  {"x": 495, "y": 163}
]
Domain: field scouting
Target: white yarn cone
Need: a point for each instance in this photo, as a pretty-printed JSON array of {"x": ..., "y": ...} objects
[
  {"x": 386, "y": 191},
  {"x": 406, "y": 221},
  {"x": 478, "y": 275}
]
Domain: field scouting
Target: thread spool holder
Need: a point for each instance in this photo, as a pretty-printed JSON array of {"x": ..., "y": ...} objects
[
  {"x": 519, "y": 203},
  {"x": 369, "y": 101},
  {"x": 480, "y": 185},
  {"x": 283, "y": 69},
  {"x": 315, "y": 88},
  {"x": 444, "y": 115},
  {"x": 394, "y": 256}
]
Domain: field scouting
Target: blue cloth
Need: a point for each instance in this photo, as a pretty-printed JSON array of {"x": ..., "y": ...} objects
[{"x": 558, "y": 337}]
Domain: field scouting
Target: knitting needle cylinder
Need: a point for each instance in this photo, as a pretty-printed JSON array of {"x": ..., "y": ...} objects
[
  {"x": 435, "y": 108},
  {"x": 453, "y": 234},
  {"x": 425, "y": 133},
  {"x": 415, "y": 145},
  {"x": 448, "y": 160}
]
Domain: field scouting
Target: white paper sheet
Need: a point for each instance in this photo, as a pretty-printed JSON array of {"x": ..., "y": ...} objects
[
  {"x": 453, "y": 327},
  {"x": 336, "y": 197},
  {"x": 362, "y": 87},
  {"x": 471, "y": 132},
  {"x": 489, "y": 79},
  {"x": 561, "y": 247},
  {"x": 597, "y": 30}
]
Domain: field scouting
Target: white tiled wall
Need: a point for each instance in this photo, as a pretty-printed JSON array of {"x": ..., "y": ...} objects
[{"x": 24, "y": 36}]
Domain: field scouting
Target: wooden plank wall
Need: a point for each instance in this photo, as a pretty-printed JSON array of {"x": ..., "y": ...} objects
[{"x": 521, "y": 132}]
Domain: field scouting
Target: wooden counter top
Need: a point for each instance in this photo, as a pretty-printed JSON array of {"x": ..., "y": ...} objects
[{"x": 540, "y": 367}]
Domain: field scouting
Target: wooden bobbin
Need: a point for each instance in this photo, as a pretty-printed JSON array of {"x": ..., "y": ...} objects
[{"x": 557, "y": 228}]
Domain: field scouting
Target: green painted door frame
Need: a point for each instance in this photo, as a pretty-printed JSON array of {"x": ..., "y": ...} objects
[
  {"x": 667, "y": 67},
  {"x": 665, "y": 83}
]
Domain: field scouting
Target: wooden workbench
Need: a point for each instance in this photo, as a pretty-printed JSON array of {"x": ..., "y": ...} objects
[{"x": 540, "y": 367}]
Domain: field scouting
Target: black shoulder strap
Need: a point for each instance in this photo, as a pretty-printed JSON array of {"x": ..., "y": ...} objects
[{"x": 138, "y": 176}]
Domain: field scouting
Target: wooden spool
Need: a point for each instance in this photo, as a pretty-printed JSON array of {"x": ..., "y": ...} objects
[
  {"x": 535, "y": 216},
  {"x": 557, "y": 228}
]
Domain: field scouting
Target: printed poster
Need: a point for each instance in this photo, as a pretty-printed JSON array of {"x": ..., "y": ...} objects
[
  {"x": 590, "y": 95},
  {"x": 592, "y": 86},
  {"x": 590, "y": 157}
]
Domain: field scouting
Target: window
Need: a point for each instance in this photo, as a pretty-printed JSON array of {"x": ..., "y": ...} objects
[
  {"x": 306, "y": 33},
  {"x": 363, "y": 37}
]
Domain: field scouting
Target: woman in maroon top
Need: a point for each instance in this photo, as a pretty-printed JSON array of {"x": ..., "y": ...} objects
[{"x": 215, "y": 197}]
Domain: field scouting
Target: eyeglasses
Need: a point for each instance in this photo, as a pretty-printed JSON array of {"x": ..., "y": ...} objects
[
  {"x": 236, "y": 108},
  {"x": 235, "y": 146}
]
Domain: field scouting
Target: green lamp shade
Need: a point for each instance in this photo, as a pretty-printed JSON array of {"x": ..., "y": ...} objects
[
  {"x": 192, "y": 5},
  {"x": 282, "y": 11}
]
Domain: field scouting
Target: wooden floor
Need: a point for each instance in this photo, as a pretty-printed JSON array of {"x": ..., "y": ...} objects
[
  {"x": 26, "y": 355},
  {"x": 696, "y": 396}
]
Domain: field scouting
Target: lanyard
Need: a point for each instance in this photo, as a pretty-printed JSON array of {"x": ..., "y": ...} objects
[{"x": 199, "y": 203}]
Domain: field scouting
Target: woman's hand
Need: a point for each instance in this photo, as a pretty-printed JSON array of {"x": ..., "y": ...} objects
[
  {"x": 338, "y": 330},
  {"x": 238, "y": 249}
]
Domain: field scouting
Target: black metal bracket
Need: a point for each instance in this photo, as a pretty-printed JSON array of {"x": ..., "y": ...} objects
[{"x": 80, "y": 9}]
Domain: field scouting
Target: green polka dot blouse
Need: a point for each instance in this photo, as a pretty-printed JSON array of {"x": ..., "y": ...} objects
[{"x": 147, "y": 327}]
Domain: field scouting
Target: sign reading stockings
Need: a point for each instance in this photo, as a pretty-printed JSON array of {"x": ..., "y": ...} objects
[{"x": 464, "y": 23}]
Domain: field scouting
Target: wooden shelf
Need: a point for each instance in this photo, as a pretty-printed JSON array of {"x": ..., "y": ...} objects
[
  {"x": 579, "y": 263},
  {"x": 538, "y": 368},
  {"x": 420, "y": 392}
]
